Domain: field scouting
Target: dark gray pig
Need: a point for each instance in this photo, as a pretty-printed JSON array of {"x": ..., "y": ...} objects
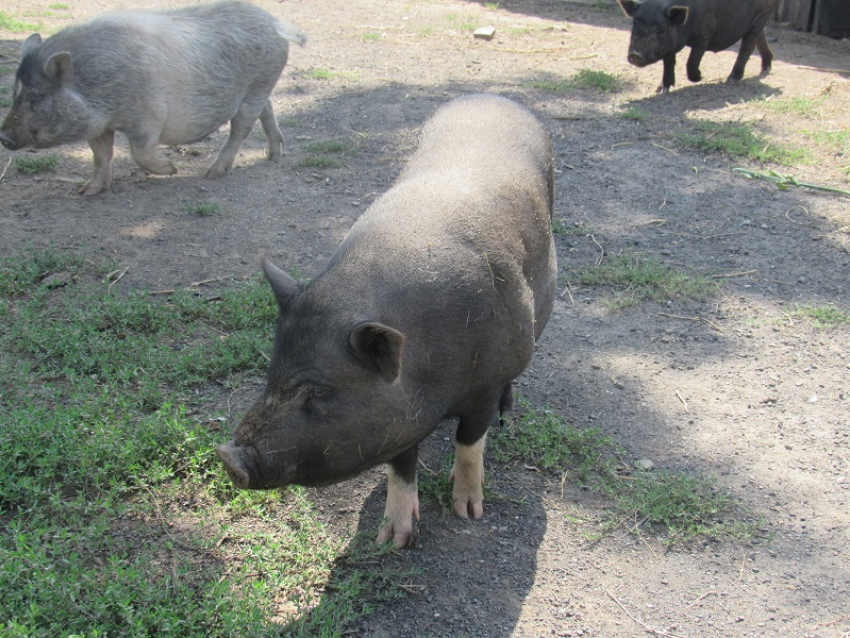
[
  {"x": 428, "y": 309},
  {"x": 170, "y": 77},
  {"x": 662, "y": 28}
]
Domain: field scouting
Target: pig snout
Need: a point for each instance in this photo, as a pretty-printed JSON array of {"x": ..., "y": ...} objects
[
  {"x": 8, "y": 141},
  {"x": 236, "y": 462},
  {"x": 636, "y": 59}
]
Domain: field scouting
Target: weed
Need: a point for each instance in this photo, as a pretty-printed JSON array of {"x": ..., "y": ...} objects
[
  {"x": 319, "y": 74},
  {"x": 317, "y": 161},
  {"x": 37, "y": 164},
  {"x": 492, "y": 6},
  {"x": 822, "y": 316},
  {"x": 202, "y": 209},
  {"x": 794, "y": 105},
  {"x": 584, "y": 79},
  {"x": 684, "y": 506},
  {"x": 12, "y": 24},
  {"x": 435, "y": 487},
  {"x": 635, "y": 114},
  {"x": 739, "y": 140},
  {"x": 330, "y": 146},
  {"x": 58, "y": 6},
  {"x": 561, "y": 229},
  {"x": 640, "y": 277},
  {"x": 370, "y": 37}
]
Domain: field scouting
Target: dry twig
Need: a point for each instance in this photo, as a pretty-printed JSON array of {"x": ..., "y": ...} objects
[
  {"x": 648, "y": 628},
  {"x": 5, "y": 168}
]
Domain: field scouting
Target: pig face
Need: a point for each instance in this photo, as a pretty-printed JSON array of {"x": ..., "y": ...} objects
[
  {"x": 46, "y": 111},
  {"x": 332, "y": 406},
  {"x": 655, "y": 30}
]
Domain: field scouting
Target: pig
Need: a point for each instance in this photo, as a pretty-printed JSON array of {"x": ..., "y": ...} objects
[
  {"x": 662, "y": 28},
  {"x": 428, "y": 309},
  {"x": 169, "y": 77}
]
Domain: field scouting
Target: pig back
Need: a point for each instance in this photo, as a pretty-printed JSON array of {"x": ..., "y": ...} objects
[{"x": 460, "y": 252}]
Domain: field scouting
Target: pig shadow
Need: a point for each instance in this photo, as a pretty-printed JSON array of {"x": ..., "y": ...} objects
[
  {"x": 706, "y": 95},
  {"x": 462, "y": 578}
]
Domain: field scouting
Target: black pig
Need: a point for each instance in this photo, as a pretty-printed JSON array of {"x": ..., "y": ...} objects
[
  {"x": 662, "y": 28},
  {"x": 428, "y": 309}
]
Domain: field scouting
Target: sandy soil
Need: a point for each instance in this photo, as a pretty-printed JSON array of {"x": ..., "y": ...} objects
[{"x": 735, "y": 387}]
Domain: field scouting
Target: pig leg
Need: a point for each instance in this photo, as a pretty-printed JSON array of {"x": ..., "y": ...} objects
[
  {"x": 402, "y": 499},
  {"x": 468, "y": 470},
  {"x": 468, "y": 476},
  {"x": 240, "y": 128},
  {"x": 668, "y": 78},
  {"x": 748, "y": 44},
  {"x": 272, "y": 131},
  {"x": 506, "y": 403},
  {"x": 143, "y": 150},
  {"x": 102, "y": 148},
  {"x": 765, "y": 53},
  {"x": 694, "y": 59}
]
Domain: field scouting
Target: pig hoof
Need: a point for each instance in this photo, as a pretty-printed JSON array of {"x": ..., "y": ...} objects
[
  {"x": 661, "y": 90},
  {"x": 93, "y": 188},
  {"x": 404, "y": 536}
]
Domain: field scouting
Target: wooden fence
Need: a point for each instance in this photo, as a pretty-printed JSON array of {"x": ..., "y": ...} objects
[{"x": 825, "y": 17}]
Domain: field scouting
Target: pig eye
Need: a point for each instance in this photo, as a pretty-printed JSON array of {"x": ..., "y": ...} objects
[{"x": 316, "y": 400}]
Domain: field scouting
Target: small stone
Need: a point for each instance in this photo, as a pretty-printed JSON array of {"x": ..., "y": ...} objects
[
  {"x": 484, "y": 33},
  {"x": 644, "y": 464}
]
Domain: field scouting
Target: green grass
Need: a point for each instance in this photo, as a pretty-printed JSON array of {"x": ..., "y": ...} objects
[
  {"x": 678, "y": 505},
  {"x": 319, "y": 154},
  {"x": 14, "y": 25},
  {"x": 793, "y": 105},
  {"x": 635, "y": 114},
  {"x": 202, "y": 209},
  {"x": 319, "y": 74},
  {"x": 370, "y": 37},
  {"x": 586, "y": 79},
  {"x": 739, "y": 139},
  {"x": 561, "y": 229},
  {"x": 636, "y": 278},
  {"x": 822, "y": 316},
  {"x": 117, "y": 519},
  {"x": 58, "y": 6},
  {"x": 37, "y": 164}
]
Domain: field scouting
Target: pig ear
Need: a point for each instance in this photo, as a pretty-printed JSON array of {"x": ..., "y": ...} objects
[
  {"x": 30, "y": 44},
  {"x": 378, "y": 347},
  {"x": 59, "y": 68},
  {"x": 282, "y": 284},
  {"x": 678, "y": 15},
  {"x": 629, "y": 6}
]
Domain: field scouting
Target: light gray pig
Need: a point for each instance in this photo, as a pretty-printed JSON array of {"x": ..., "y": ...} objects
[
  {"x": 428, "y": 309},
  {"x": 170, "y": 77}
]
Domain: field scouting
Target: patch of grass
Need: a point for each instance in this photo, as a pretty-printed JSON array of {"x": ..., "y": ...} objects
[
  {"x": 635, "y": 114},
  {"x": 319, "y": 74},
  {"x": 739, "y": 139},
  {"x": 37, "y": 164},
  {"x": 319, "y": 154},
  {"x": 435, "y": 487},
  {"x": 117, "y": 517},
  {"x": 202, "y": 209},
  {"x": 58, "y": 6},
  {"x": 562, "y": 229},
  {"x": 585, "y": 79},
  {"x": 644, "y": 277},
  {"x": 6, "y": 70},
  {"x": 370, "y": 37},
  {"x": 318, "y": 161},
  {"x": 492, "y": 6},
  {"x": 14, "y": 25},
  {"x": 822, "y": 316},
  {"x": 681, "y": 505},
  {"x": 794, "y": 105}
]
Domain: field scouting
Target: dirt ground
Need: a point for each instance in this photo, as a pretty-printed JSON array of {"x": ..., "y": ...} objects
[{"x": 735, "y": 387}]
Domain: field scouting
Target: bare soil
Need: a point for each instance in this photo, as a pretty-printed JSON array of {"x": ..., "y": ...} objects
[{"x": 736, "y": 387}]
